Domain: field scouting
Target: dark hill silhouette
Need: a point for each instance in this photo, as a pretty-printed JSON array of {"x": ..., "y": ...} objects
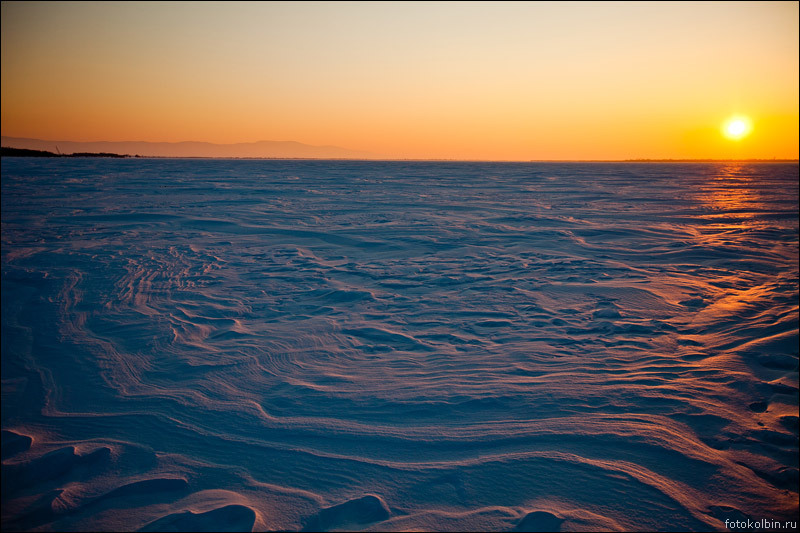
[{"x": 24, "y": 152}]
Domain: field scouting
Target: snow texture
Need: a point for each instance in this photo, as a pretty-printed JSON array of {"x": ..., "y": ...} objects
[{"x": 212, "y": 345}]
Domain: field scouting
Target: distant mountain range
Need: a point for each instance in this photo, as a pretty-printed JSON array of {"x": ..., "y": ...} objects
[{"x": 277, "y": 149}]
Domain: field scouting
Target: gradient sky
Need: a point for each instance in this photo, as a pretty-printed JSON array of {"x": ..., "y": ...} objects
[{"x": 472, "y": 80}]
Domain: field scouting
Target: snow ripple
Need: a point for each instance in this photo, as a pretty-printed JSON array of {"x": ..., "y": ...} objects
[{"x": 236, "y": 345}]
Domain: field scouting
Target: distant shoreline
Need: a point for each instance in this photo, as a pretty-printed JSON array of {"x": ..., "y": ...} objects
[{"x": 24, "y": 152}]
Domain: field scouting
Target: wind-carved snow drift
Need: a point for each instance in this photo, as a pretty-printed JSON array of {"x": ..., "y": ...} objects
[{"x": 289, "y": 345}]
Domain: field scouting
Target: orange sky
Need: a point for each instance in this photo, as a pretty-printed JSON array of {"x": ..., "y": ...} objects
[{"x": 473, "y": 80}]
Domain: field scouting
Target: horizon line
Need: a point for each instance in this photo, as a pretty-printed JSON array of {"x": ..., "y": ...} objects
[
  {"x": 422, "y": 160},
  {"x": 366, "y": 155}
]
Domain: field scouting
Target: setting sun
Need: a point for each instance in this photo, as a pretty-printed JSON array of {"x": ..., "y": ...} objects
[{"x": 737, "y": 128}]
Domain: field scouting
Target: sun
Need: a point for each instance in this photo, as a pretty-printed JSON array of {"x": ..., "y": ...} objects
[{"x": 736, "y": 128}]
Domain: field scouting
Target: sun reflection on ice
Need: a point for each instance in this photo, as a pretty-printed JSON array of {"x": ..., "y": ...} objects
[{"x": 732, "y": 193}]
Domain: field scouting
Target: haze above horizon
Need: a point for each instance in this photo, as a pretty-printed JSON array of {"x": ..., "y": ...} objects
[{"x": 431, "y": 80}]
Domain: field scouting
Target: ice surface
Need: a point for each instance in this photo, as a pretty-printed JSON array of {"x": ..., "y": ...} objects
[{"x": 280, "y": 345}]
